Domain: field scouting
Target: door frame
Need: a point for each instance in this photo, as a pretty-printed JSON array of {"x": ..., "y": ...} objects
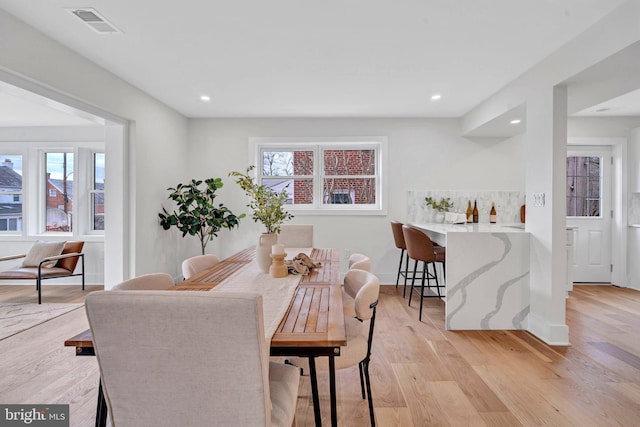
[
  {"x": 619, "y": 196},
  {"x": 118, "y": 243}
]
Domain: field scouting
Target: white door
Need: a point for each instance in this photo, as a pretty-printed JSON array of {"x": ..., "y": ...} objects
[{"x": 589, "y": 211}]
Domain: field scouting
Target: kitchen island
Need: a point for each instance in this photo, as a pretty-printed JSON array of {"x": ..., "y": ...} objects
[{"x": 487, "y": 271}]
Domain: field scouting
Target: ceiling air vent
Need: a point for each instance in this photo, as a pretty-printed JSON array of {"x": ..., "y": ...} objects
[{"x": 95, "y": 21}]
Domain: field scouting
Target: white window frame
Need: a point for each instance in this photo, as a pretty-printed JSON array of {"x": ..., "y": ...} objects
[
  {"x": 258, "y": 145},
  {"x": 601, "y": 167},
  {"x": 34, "y": 189},
  {"x": 93, "y": 191},
  {"x": 44, "y": 194},
  {"x": 9, "y": 152}
]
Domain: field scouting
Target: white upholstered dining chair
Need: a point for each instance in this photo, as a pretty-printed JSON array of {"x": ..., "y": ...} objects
[
  {"x": 159, "y": 367},
  {"x": 146, "y": 282},
  {"x": 364, "y": 288},
  {"x": 296, "y": 236},
  {"x": 360, "y": 262},
  {"x": 196, "y": 264}
]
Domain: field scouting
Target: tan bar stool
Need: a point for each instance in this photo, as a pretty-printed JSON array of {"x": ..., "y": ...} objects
[
  {"x": 421, "y": 248},
  {"x": 398, "y": 237}
]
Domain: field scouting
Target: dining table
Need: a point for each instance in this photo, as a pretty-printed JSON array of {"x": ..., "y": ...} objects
[{"x": 303, "y": 313}]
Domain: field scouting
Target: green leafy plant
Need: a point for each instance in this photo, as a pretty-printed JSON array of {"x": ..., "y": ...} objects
[
  {"x": 197, "y": 215},
  {"x": 267, "y": 205},
  {"x": 442, "y": 206}
]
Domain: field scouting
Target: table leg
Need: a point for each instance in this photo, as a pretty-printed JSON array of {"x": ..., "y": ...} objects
[
  {"x": 332, "y": 390},
  {"x": 314, "y": 391},
  {"x": 101, "y": 410}
]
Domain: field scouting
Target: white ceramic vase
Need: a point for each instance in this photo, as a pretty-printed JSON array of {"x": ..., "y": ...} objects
[{"x": 263, "y": 250}]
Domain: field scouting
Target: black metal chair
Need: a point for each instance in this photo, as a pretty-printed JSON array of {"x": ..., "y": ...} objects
[{"x": 64, "y": 265}]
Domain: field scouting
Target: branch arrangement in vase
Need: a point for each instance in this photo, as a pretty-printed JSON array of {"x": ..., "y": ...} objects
[
  {"x": 441, "y": 206},
  {"x": 197, "y": 215},
  {"x": 267, "y": 205}
]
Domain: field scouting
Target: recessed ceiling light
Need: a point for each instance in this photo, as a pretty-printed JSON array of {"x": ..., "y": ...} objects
[
  {"x": 515, "y": 121},
  {"x": 205, "y": 98},
  {"x": 436, "y": 96},
  {"x": 602, "y": 110}
]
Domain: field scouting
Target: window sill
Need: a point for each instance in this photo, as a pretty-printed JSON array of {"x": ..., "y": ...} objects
[{"x": 336, "y": 212}]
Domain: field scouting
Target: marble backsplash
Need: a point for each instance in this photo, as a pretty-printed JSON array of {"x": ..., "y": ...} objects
[{"x": 507, "y": 204}]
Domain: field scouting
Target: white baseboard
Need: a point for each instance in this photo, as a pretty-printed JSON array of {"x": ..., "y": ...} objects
[{"x": 552, "y": 334}]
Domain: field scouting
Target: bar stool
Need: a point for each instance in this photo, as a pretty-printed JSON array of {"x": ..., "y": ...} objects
[
  {"x": 420, "y": 248},
  {"x": 398, "y": 237}
]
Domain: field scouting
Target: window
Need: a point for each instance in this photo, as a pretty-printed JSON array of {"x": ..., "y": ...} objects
[
  {"x": 10, "y": 192},
  {"x": 97, "y": 192},
  {"x": 583, "y": 186},
  {"x": 59, "y": 182},
  {"x": 52, "y": 190},
  {"x": 324, "y": 176},
  {"x": 349, "y": 176}
]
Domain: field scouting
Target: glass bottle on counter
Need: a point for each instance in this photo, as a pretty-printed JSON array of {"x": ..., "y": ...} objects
[
  {"x": 475, "y": 212},
  {"x": 469, "y": 212},
  {"x": 492, "y": 214}
]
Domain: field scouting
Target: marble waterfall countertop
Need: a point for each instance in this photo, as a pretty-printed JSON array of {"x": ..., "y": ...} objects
[
  {"x": 471, "y": 228},
  {"x": 487, "y": 274}
]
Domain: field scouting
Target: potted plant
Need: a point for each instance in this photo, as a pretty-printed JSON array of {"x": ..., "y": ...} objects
[
  {"x": 268, "y": 208},
  {"x": 440, "y": 207},
  {"x": 197, "y": 215}
]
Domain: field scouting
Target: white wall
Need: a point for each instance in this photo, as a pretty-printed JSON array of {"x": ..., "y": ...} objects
[
  {"x": 423, "y": 154},
  {"x": 601, "y": 126},
  {"x": 156, "y": 141}
]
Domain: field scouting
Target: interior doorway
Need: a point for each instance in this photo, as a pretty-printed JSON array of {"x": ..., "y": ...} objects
[
  {"x": 616, "y": 149},
  {"x": 589, "y": 212},
  {"x": 56, "y": 106}
]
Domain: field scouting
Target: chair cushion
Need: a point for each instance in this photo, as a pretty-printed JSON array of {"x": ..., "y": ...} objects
[
  {"x": 146, "y": 282},
  {"x": 196, "y": 264},
  {"x": 348, "y": 304},
  {"x": 283, "y": 388},
  {"x": 364, "y": 287},
  {"x": 296, "y": 235},
  {"x": 41, "y": 250},
  {"x": 350, "y": 355},
  {"x": 32, "y": 273},
  {"x": 71, "y": 262},
  {"x": 142, "y": 338}
]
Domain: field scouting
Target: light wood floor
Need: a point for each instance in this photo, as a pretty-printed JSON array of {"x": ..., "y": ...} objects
[{"x": 421, "y": 374}]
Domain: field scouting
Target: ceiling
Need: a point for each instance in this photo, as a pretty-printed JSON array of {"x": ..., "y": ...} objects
[
  {"x": 21, "y": 108},
  {"x": 335, "y": 58},
  {"x": 621, "y": 106}
]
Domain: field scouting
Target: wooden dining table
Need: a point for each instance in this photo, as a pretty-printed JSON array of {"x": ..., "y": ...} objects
[{"x": 312, "y": 326}]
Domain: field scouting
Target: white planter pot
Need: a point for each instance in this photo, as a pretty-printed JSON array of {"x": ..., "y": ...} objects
[{"x": 263, "y": 250}]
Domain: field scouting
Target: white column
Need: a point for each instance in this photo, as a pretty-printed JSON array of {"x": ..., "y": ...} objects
[
  {"x": 545, "y": 149},
  {"x": 116, "y": 217},
  {"x": 633, "y": 232}
]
